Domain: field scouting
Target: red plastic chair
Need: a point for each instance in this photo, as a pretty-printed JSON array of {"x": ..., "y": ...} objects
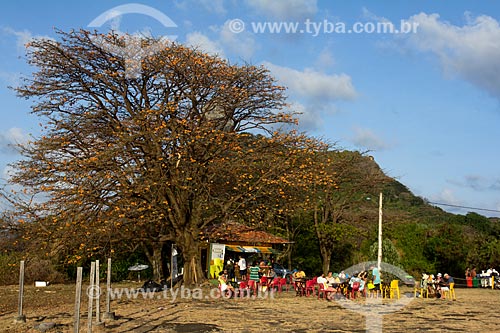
[
  {"x": 284, "y": 285},
  {"x": 355, "y": 289},
  {"x": 252, "y": 286},
  {"x": 310, "y": 287},
  {"x": 324, "y": 293},
  {"x": 276, "y": 285},
  {"x": 264, "y": 283},
  {"x": 243, "y": 289}
]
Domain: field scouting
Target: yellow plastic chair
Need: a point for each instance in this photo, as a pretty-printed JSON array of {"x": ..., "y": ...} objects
[
  {"x": 423, "y": 293},
  {"x": 394, "y": 289},
  {"x": 385, "y": 290},
  {"x": 421, "y": 289},
  {"x": 369, "y": 286},
  {"x": 451, "y": 292}
]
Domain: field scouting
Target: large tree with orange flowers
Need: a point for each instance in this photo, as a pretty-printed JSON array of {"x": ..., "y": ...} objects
[{"x": 145, "y": 142}]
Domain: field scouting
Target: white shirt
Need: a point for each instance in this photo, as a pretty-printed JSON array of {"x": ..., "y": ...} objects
[
  {"x": 242, "y": 263},
  {"x": 321, "y": 280}
]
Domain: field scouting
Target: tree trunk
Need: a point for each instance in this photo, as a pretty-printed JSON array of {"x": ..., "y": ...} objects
[
  {"x": 326, "y": 252},
  {"x": 326, "y": 256},
  {"x": 154, "y": 256},
  {"x": 193, "y": 274}
]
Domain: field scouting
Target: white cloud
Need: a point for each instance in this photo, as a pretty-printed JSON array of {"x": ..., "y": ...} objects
[
  {"x": 214, "y": 6},
  {"x": 10, "y": 78},
  {"x": 325, "y": 60},
  {"x": 470, "y": 51},
  {"x": 314, "y": 85},
  {"x": 368, "y": 15},
  {"x": 367, "y": 139},
  {"x": 308, "y": 118},
  {"x": 7, "y": 172},
  {"x": 11, "y": 138},
  {"x": 446, "y": 196},
  {"x": 205, "y": 44},
  {"x": 211, "y": 6},
  {"x": 285, "y": 9},
  {"x": 243, "y": 44},
  {"x": 23, "y": 37},
  {"x": 312, "y": 93},
  {"x": 478, "y": 183}
]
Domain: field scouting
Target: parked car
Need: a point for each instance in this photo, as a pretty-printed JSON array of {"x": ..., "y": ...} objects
[{"x": 282, "y": 271}]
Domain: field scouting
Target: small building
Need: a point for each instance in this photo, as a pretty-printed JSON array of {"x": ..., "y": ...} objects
[{"x": 230, "y": 239}]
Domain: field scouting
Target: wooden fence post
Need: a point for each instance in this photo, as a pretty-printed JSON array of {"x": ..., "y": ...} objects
[
  {"x": 90, "y": 293},
  {"x": 109, "y": 314},
  {"x": 78, "y": 293},
  {"x": 20, "y": 317},
  {"x": 97, "y": 294}
]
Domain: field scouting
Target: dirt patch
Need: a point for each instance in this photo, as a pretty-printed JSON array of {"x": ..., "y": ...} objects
[{"x": 52, "y": 308}]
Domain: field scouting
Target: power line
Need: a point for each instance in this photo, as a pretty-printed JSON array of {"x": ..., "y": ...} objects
[{"x": 466, "y": 207}]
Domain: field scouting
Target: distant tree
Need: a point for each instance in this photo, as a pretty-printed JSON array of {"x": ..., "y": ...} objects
[
  {"x": 390, "y": 254},
  {"x": 341, "y": 181}
]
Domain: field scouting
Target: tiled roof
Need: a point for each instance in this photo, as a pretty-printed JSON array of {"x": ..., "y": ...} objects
[{"x": 236, "y": 232}]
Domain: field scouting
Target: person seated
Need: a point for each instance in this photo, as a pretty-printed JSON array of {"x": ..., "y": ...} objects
[
  {"x": 333, "y": 280},
  {"x": 329, "y": 290},
  {"x": 321, "y": 279},
  {"x": 224, "y": 287},
  {"x": 423, "y": 285},
  {"x": 299, "y": 281},
  {"x": 431, "y": 290},
  {"x": 299, "y": 275},
  {"x": 354, "y": 284},
  {"x": 445, "y": 283},
  {"x": 438, "y": 284}
]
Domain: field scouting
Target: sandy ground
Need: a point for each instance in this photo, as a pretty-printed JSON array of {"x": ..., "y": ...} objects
[{"x": 474, "y": 310}]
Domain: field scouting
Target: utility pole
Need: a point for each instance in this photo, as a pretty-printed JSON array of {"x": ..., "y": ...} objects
[{"x": 379, "y": 255}]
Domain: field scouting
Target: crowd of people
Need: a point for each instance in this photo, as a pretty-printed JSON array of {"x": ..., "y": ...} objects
[
  {"x": 436, "y": 286},
  {"x": 367, "y": 282},
  {"x": 341, "y": 284},
  {"x": 260, "y": 272},
  {"x": 485, "y": 276}
]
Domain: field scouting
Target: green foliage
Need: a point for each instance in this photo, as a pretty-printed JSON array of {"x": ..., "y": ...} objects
[
  {"x": 9, "y": 268},
  {"x": 445, "y": 248},
  {"x": 390, "y": 254},
  {"x": 35, "y": 269},
  {"x": 305, "y": 255}
]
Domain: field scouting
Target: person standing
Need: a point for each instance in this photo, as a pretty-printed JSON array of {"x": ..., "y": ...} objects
[
  {"x": 468, "y": 278},
  {"x": 254, "y": 272},
  {"x": 229, "y": 269},
  {"x": 376, "y": 280},
  {"x": 242, "y": 264}
]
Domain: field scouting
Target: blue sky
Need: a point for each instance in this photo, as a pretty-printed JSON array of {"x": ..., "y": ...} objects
[{"x": 425, "y": 103}]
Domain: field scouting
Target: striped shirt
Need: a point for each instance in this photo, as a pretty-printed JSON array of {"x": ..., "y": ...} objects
[{"x": 254, "y": 273}]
